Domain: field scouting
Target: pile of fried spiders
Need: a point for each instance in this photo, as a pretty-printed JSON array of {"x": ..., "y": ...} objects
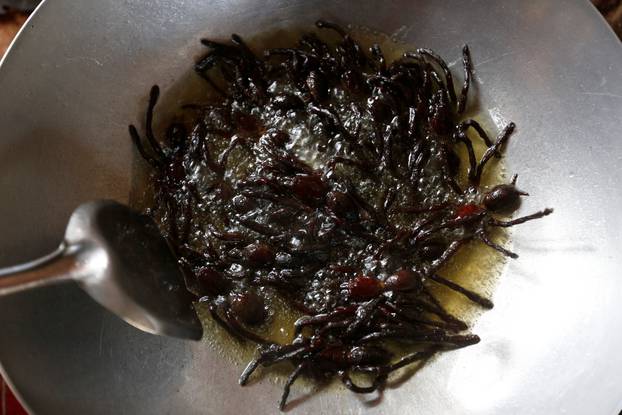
[{"x": 328, "y": 176}]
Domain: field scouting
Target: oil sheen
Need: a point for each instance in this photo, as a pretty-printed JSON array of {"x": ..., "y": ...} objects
[{"x": 476, "y": 266}]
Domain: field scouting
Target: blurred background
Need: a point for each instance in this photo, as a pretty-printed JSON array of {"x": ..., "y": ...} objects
[{"x": 13, "y": 14}]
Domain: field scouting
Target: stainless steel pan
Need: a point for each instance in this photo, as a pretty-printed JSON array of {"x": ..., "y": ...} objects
[{"x": 79, "y": 73}]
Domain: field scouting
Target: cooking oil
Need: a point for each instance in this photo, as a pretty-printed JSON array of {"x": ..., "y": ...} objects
[{"x": 476, "y": 266}]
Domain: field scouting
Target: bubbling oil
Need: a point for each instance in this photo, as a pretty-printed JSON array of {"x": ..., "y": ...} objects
[{"x": 476, "y": 266}]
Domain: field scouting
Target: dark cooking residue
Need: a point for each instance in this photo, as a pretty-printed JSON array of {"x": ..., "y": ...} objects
[{"x": 328, "y": 176}]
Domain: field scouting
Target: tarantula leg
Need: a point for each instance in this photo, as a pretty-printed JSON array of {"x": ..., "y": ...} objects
[
  {"x": 443, "y": 65},
  {"x": 343, "y": 324},
  {"x": 386, "y": 157},
  {"x": 154, "y": 94},
  {"x": 501, "y": 140},
  {"x": 470, "y": 123},
  {"x": 248, "y": 371},
  {"x": 439, "y": 310},
  {"x": 439, "y": 338},
  {"x": 314, "y": 44},
  {"x": 213, "y": 84},
  {"x": 451, "y": 323},
  {"x": 388, "y": 199},
  {"x": 234, "y": 238},
  {"x": 364, "y": 205},
  {"x": 391, "y": 311},
  {"x": 331, "y": 120},
  {"x": 159, "y": 158},
  {"x": 518, "y": 221},
  {"x": 461, "y": 136},
  {"x": 424, "y": 209},
  {"x": 285, "y": 201},
  {"x": 455, "y": 186},
  {"x": 156, "y": 164},
  {"x": 414, "y": 56},
  {"x": 239, "y": 42},
  {"x": 258, "y": 227},
  {"x": 338, "y": 313},
  {"x": 187, "y": 222},
  {"x": 378, "y": 56},
  {"x": 213, "y": 309},
  {"x": 269, "y": 355},
  {"x": 169, "y": 201},
  {"x": 468, "y": 69},
  {"x": 435, "y": 212},
  {"x": 445, "y": 256},
  {"x": 290, "y": 381},
  {"x": 451, "y": 340},
  {"x": 379, "y": 380},
  {"x": 323, "y": 24},
  {"x": 476, "y": 298},
  {"x": 481, "y": 235},
  {"x": 230, "y": 323},
  {"x": 363, "y": 314},
  {"x": 206, "y": 63},
  {"x": 412, "y": 358},
  {"x": 235, "y": 142},
  {"x": 363, "y": 168},
  {"x": 417, "y": 160},
  {"x": 203, "y": 66},
  {"x": 209, "y": 160},
  {"x": 214, "y": 45},
  {"x": 399, "y": 237},
  {"x": 233, "y": 322},
  {"x": 439, "y": 82}
]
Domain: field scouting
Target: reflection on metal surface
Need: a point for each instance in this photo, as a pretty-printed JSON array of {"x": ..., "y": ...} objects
[
  {"x": 119, "y": 258},
  {"x": 550, "y": 345},
  {"x": 485, "y": 376}
]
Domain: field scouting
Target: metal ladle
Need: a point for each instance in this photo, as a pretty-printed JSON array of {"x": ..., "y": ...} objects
[{"x": 120, "y": 259}]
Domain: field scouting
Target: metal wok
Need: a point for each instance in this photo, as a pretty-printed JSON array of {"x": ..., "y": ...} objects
[{"x": 79, "y": 73}]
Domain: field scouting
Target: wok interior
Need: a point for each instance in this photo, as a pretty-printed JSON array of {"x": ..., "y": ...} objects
[{"x": 68, "y": 144}]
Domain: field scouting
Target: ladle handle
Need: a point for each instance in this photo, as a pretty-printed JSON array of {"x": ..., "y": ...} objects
[{"x": 61, "y": 265}]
